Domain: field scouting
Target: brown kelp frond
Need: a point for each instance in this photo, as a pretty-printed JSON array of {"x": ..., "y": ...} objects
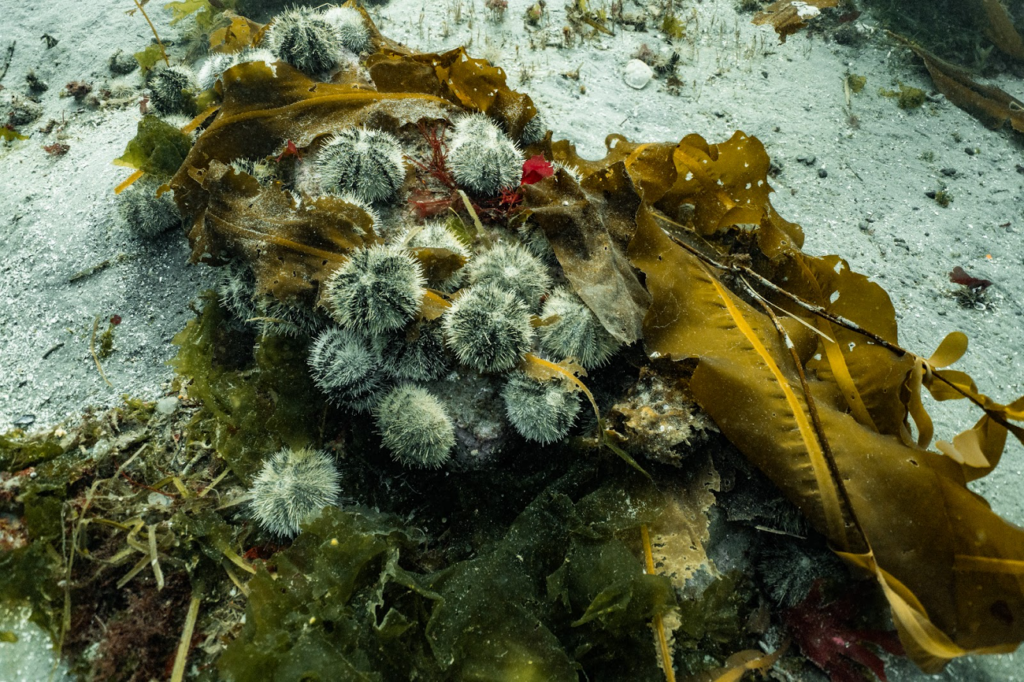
[
  {"x": 987, "y": 103},
  {"x": 746, "y": 380},
  {"x": 291, "y": 246}
]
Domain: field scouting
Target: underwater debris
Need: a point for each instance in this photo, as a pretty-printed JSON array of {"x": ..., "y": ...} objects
[
  {"x": 291, "y": 488},
  {"x": 788, "y": 17}
]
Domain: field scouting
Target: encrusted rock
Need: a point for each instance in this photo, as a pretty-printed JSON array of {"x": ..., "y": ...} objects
[
  {"x": 637, "y": 74},
  {"x": 659, "y": 421}
]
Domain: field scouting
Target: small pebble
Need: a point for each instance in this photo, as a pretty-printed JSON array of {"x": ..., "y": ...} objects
[
  {"x": 807, "y": 160},
  {"x": 948, "y": 172},
  {"x": 167, "y": 405},
  {"x": 637, "y": 74},
  {"x": 969, "y": 151},
  {"x": 24, "y": 420},
  {"x": 822, "y": 173}
]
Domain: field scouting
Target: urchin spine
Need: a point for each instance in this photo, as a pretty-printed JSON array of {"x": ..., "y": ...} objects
[
  {"x": 436, "y": 236},
  {"x": 146, "y": 214},
  {"x": 292, "y": 487},
  {"x": 576, "y": 333},
  {"x": 236, "y": 290},
  {"x": 366, "y": 163},
  {"x": 215, "y": 65},
  {"x": 278, "y": 318},
  {"x": 346, "y": 368},
  {"x": 541, "y": 411},
  {"x": 263, "y": 171},
  {"x": 302, "y": 38},
  {"x": 488, "y": 329},
  {"x": 534, "y": 130},
  {"x": 482, "y": 158},
  {"x": 378, "y": 290},
  {"x": 415, "y": 427},
  {"x": 173, "y": 89},
  {"x": 511, "y": 267},
  {"x": 416, "y": 353},
  {"x": 351, "y": 28}
]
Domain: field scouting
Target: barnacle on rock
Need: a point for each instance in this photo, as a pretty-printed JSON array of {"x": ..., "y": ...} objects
[
  {"x": 510, "y": 267},
  {"x": 482, "y": 158},
  {"x": 575, "y": 332},
  {"x": 541, "y": 411},
  {"x": 488, "y": 329},
  {"x": 415, "y": 427},
  {"x": 19, "y": 111},
  {"x": 302, "y": 38},
  {"x": 292, "y": 487},
  {"x": 347, "y": 368},
  {"x": 379, "y": 289},
  {"x": 366, "y": 163}
]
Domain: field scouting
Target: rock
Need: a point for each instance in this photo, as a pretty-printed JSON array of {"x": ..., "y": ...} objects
[
  {"x": 24, "y": 421},
  {"x": 637, "y": 74},
  {"x": 822, "y": 173},
  {"x": 167, "y": 405}
]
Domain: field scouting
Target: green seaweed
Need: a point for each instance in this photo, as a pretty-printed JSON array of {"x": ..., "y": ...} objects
[
  {"x": 149, "y": 57},
  {"x": 253, "y": 411},
  {"x": 158, "y": 148},
  {"x": 907, "y": 97},
  {"x": 557, "y": 593},
  {"x": 18, "y": 451}
]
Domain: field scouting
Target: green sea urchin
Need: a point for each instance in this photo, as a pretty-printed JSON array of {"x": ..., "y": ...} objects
[
  {"x": 415, "y": 427},
  {"x": 292, "y": 487},
  {"x": 378, "y": 290},
  {"x": 576, "y": 333},
  {"x": 488, "y": 329},
  {"x": 366, "y": 163},
  {"x": 541, "y": 411}
]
